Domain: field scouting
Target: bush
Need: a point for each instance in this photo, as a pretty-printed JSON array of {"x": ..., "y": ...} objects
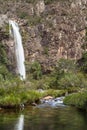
[
  {"x": 30, "y": 97},
  {"x": 10, "y": 100},
  {"x": 78, "y": 99},
  {"x": 3, "y": 54},
  {"x": 34, "y": 20},
  {"x": 22, "y": 15},
  {"x": 63, "y": 74},
  {"x": 12, "y": 97},
  {"x": 4, "y": 72},
  {"x": 72, "y": 80},
  {"x": 54, "y": 93},
  {"x": 66, "y": 65},
  {"x": 35, "y": 69},
  {"x": 83, "y": 62}
]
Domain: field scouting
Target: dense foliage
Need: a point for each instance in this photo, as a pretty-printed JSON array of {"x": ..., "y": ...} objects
[
  {"x": 78, "y": 99},
  {"x": 83, "y": 62}
]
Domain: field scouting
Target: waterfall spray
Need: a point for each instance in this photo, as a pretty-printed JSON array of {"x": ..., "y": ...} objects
[{"x": 19, "y": 52}]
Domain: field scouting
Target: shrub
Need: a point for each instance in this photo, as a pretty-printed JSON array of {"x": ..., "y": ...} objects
[
  {"x": 34, "y": 20},
  {"x": 15, "y": 96},
  {"x": 30, "y": 96},
  {"x": 78, "y": 99},
  {"x": 3, "y": 72},
  {"x": 64, "y": 72},
  {"x": 23, "y": 15},
  {"x": 67, "y": 76},
  {"x": 54, "y": 93},
  {"x": 10, "y": 100},
  {"x": 35, "y": 70},
  {"x": 83, "y": 62},
  {"x": 46, "y": 51},
  {"x": 3, "y": 54},
  {"x": 72, "y": 80},
  {"x": 66, "y": 65}
]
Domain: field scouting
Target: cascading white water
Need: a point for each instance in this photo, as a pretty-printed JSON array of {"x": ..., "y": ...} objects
[{"x": 14, "y": 30}]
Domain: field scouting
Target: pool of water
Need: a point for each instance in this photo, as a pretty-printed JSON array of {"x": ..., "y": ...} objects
[{"x": 35, "y": 118}]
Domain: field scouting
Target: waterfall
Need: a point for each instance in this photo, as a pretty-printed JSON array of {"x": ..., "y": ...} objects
[{"x": 19, "y": 52}]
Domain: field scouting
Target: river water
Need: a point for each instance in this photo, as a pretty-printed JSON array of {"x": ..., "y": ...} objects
[{"x": 35, "y": 118}]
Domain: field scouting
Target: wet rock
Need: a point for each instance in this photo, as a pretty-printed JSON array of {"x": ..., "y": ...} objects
[
  {"x": 47, "y": 98},
  {"x": 51, "y": 102}
]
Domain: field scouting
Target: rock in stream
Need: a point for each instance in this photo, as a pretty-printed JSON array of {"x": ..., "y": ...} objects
[{"x": 51, "y": 102}]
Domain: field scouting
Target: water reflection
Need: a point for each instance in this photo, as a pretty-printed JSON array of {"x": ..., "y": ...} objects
[
  {"x": 33, "y": 118},
  {"x": 20, "y": 123}
]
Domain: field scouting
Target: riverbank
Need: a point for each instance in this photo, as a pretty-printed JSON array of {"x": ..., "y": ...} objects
[
  {"x": 79, "y": 100},
  {"x": 19, "y": 97}
]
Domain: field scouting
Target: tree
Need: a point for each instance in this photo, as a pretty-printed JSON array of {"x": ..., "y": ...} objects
[
  {"x": 35, "y": 69},
  {"x": 63, "y": 67}
]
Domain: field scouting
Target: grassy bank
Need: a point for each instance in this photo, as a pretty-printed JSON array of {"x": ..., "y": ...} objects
[
  {"x": 78, "y": 100},
  {"x": 16, "y": 96}
]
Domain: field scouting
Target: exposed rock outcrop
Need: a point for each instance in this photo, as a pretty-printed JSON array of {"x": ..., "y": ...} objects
[{"x": 50, "y": 31}]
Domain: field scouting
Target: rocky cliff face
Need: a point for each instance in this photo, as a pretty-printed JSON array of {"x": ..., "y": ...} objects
[{"x": 50, "y": 31}]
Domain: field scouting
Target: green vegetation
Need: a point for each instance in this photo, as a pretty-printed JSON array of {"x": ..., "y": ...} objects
[
  {"x": 83, "y": 63},
  {"x": 79, "y": 80},
  {"x": 13, "y": 97},
  {"x": 31, "y": 20},
  {"x": 34, "y": 20},
  {"x": 54, "y": 93},
  {"x": 4, "y": 72},
  {"x": 66, "y": 76},
  {"x": 78, "y": 99},
  {"x": 35, "y": 69},
  {"x": 3, "y": 55},
  {"x": 22, "y": 15},
  {"x": 46, "y": 51}
]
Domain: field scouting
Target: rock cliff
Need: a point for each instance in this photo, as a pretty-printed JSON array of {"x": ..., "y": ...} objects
[{"x": 51, "y": 29}]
